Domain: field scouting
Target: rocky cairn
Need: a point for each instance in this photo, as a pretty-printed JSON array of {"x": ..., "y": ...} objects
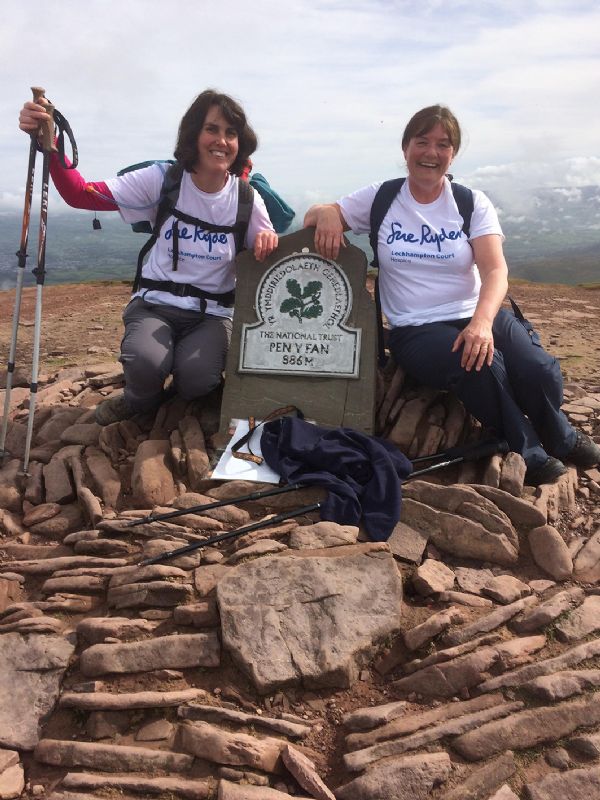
[{"x": 458, "y": 660}]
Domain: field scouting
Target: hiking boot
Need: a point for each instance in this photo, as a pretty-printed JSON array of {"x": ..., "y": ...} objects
[
  {"x": 114, "y": 409},
  {"x": 547, "y": 472},
  {"x": 585, "y": 453}
]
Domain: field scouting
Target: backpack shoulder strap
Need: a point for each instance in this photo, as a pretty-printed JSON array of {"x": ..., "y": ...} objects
[
  {"x": 169, "y": 194},
  {"x": 244, "y": 212},
  {"x": 381, "y": 204},
  {"x": 464, "y": 200}
]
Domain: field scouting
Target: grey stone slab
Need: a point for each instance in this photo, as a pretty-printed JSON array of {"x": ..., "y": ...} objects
[
  {"x": 528, "y": 728},
  {"x": 139, "y": 785},
  {"x": 560, "y": 685},
  {"x": 186, "y": 651},
  {"x": 545, "y": 667},
  {"x": 119, "y": 701},
  {"x": 408, "y": 544},
  {"x": 489, "y": 622},
  {"x": 361, "y": 759},
  {"x": 576, "y": 784},
  {"x": 458, "y": 535},
  {"x": 236, "y": 791},
  {"x": 544, "y": 614},
  {"x": 370, "y": 717},
  {"x": 385, "y": 726},
  {"x": 206, "y": 713},
  {"x": 581, "y": 622},
  {"x": 504, "y": 793},
  {"x": 291, "y": 620},
  {"x": 472, "y": 580},
  {"x": 452, "y": 677},
  {"x": 110, "y": 757},
  {"x": 206, "y": 741},
  {"x": 329, "y": 400},
  {"x": 31, "y": 669},
  {"x": 484, "y": 780},
  {"x": 405, "y": 778}
]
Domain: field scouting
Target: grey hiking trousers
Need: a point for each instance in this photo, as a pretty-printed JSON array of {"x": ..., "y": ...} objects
[{"x": 163, "y": 340}]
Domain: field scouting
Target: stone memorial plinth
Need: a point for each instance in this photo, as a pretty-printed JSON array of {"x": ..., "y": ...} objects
[{"x": 304, "y": 333}]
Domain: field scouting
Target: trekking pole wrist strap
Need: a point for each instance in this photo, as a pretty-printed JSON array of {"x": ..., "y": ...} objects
[{"x": 245, "y": 439}]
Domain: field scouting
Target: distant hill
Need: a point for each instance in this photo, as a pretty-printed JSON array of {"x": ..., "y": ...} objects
[
  {"x": 556, "y": 240},
  {"x": 74, "y": 251},
  {"x": 575, "y": 265}
]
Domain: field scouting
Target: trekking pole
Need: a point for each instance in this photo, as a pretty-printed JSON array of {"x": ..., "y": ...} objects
[
  {"x": 47, "y": 131},
  {"x": 453, "y": 452},
  {"x": 456, "y": 455},
  {"x": 292, "y": 487},
  {"x": 469, "y": 453},
  {"x": 22, "y": 259},
  {"x": 255, "y": 526}
]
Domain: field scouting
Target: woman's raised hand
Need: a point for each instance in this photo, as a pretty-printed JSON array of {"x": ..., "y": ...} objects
[
  {"x": 329, "y": 229},
  {"x": 32, "y": 115},
  {"x": 264, "y": 244}
]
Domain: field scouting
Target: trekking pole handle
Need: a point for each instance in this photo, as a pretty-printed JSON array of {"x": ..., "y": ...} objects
[
  {"x": 46, "y": 128},
  {"x": 487, "y": 449}
]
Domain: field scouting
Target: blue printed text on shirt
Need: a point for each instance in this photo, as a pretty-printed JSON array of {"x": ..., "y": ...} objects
[
  {"x": 199, "y": 235},
  {"x": 427, "y": 236}
]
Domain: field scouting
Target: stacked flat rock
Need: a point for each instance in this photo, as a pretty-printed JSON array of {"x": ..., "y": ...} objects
[{"x": 472, "y": 633}]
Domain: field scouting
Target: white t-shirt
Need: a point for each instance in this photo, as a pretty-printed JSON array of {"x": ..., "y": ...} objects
[
  {"x": 206, "y": 259},
  {"x": 426, "y": 268}
]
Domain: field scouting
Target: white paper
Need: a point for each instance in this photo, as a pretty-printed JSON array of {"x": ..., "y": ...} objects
[{"x": 230, "y": 468}]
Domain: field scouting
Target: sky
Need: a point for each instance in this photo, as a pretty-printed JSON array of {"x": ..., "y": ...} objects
[{"x": 327, "y": 85}]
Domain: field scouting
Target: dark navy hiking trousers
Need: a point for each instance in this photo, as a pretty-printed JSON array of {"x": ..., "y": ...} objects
[{"x": 519, "y": 396}]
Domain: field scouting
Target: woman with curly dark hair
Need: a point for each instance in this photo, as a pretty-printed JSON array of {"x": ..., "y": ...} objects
[{"x": 179, "y": 318}]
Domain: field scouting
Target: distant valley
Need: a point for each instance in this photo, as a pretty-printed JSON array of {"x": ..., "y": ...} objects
[{"x": 556, "y": 241}]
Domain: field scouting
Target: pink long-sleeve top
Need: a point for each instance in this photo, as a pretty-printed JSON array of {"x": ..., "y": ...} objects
[{"x": 79, "y": 193}]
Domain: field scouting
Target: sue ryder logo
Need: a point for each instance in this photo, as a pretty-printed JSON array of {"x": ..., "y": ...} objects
[{"x": 427, "y": 236}]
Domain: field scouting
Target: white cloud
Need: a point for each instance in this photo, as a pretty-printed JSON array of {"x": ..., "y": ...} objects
[
  {"x": 512, "y": 185},
  {"x": 328, "y": 85}
]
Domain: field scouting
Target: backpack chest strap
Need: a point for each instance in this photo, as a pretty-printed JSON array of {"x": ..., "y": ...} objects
[
  {"x": 225, "y": 299},
  {"x": 205, "y": 226},
  {"x": 167, "y": 208}
]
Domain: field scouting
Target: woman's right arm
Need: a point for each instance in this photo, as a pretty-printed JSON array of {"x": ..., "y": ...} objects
[
  {"x": 71, "y": 185},
  {"x": 329, "y": 225}
]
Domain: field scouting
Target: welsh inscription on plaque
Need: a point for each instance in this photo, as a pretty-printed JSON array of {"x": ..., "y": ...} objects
[{"x": 302, "y": 304}]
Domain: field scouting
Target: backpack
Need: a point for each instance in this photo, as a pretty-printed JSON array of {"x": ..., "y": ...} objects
[
  {"x": 280, "y": 213},
  {"x": 381, "y": 205},
  {"x": 169, "y": 194}
]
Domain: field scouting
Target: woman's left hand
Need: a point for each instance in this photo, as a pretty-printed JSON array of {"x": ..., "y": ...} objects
[
  {"x": 477, "y": 339},
  {"x": 264, "y": 244},
  {"x": 477, "y": 342}
]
